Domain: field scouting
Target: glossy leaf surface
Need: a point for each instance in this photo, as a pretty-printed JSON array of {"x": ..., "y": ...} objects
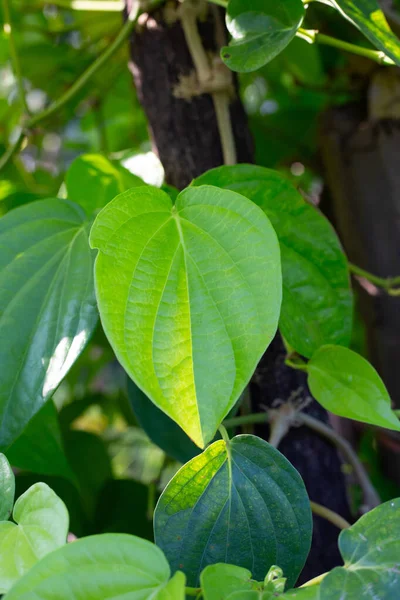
[
  {"x": 317, "y": 299},
  {"x": 189, "y": 297},
  {"x": 348, "y": 385},
  {"x": 249, "y": 510},
  {"x": 47, "y": 305},
  {"x": 260, "y": 30},
  {"x": 102, "y": 567},
  {"x": 7, "y": 488},
  {"x": 42, "y": 526},
  {"x": 92, "y": 181},
  {"x": 370, "y": 19}
]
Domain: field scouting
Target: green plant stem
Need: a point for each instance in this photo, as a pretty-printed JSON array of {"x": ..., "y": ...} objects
[
  {"x": 8, "y": 30},
  {"x": 189, "y": 591},
  {"x": 89, "y": 5},
  {"x": 316, "y": 581},
  {"x": 329, "y": 515},
  {"x": 222, "y": 3},
  {"x": 313, "y": 36},
  {"x": 300, "y": 365},
  {"x": 389, "y": 284},
  {"x": 246, "y": 420},
  {"x": 77, "y": 86}
]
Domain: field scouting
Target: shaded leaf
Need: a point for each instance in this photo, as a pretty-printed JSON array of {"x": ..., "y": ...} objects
[
  {"x": 7, "y": 488},
  {"x": 348, "y": 385},
  {"x": 102, "y": 567},
  {"x": 47, "y": 306},
  {"x": 248, "y": 507},
  {"x": 93, "y": 181},
  {"x": 260, "y": 31},
  {"x": 317, "y": 300},
  {"x": 189, "y": 297},
  {"x": 42, "y": 527}
]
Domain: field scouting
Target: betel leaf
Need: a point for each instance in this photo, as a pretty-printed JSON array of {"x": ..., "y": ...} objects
[
  {"x": 260, "y": 30},
  {"x": 317, "y": 302},
  {"x": 7, "y": 488},
  {"x": 162, "y": 430},
  {"x": 92, "y": 181},
  {"x": 42, "y": 527},
  {"x": 40, "y": 448},
  {"x": 368, "y": 17},
  {"x": 220, "y": 580},
  {"x": 371, "y": 553},
  {"x": 347, "y": 385},
  {"x": 243, "y": 504},
  {"x": 102, "y": 567},
  {"x": 189, "y": 296},
  {"x": 47, "y": 305}
]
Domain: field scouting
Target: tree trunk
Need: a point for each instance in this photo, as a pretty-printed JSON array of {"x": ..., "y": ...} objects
[{"x": 186, "y": 138}]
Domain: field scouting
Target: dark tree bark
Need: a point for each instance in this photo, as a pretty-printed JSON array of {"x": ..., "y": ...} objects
[{"x": 185, "y": 136}]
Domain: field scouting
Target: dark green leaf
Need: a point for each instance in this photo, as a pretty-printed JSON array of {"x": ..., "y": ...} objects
[
  {"x": 162, "y": 430},
  {"x": 348, "y": 385},
  {"x": 188, "y": 308},
  {"x": 39, "y": 448},
  {"x": 247, "y": 507},
  {"x": 93, "y": 181},
  {"x": 7, "y": 488},
  {"x": 47, "y": 305},
  {"x": 260, "y": 31},
  {"x": 317, "y": 300},
  {"x": 102, "y": 567},
  {"x": 369, "y": 18},
  {"x": 42, "y": 527}
]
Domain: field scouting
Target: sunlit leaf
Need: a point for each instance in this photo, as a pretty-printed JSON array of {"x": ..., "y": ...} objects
[
  {"x": 317, "y": 300},
  {"x": 348, "y": 385},
  {"x": 7, "y": 488},
  {"x": 47, "y": 305},
  {"x": 189, "y": 296},
  {"x": 246, "y": 506}
]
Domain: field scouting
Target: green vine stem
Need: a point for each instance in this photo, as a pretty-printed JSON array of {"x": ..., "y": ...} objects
[
  {"x": 389, "y": 284},
  {"x": 76, "y": 87},
  {"x": 8, "y": 31},
  {"x": 315, "y": 581},
  {"x": 190, "y": 591},
  {"x": 312, "y": 36},
  {"x": 329, "y": 515},
  {"x": 370, "y": 496}
]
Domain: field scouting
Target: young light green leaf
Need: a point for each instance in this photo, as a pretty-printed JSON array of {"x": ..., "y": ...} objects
[
  {"x": 162, "y": 430},
  {"x": 39, "y": 448},
  {"x": 102, "y": 567},
  {"x": 368, "y": 17},
  {"x": 243, "y": 504},
  {"x": 371, "y": 554},
  {"x": 42, "y": 527},
  {"x": 218, "y": 581},
  {"x": 47, "y": 305},
  {"x": 93, "y": 181},
  {"x": 260, "y": 31},
  {"x": 348, "y": 385},
  {"x": 7, "y": 488},
  {"x": 317, "y": 302},
  {"x": 189, "y": 296}
]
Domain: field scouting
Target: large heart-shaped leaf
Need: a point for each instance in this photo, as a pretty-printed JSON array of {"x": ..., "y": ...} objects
[
  {"x": 260, "y": 30},
  {"x": 348, "y": 385},
  {"x": 189, "y": 296},
  {"x": 7, "y": 488},
  {"x": 42, "y": 527},
  {"x": 92, "y": 181},
  {"x": 102, "y": 567},
  {"x": 47, "y": 305},
  {"x": 241, "y": 503},
  {"x": 369, "y": 18},
  {"x": 162, "y": 430},
  {"x": 317, "y": 298},
  {"x": 39, "y": 448}
]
